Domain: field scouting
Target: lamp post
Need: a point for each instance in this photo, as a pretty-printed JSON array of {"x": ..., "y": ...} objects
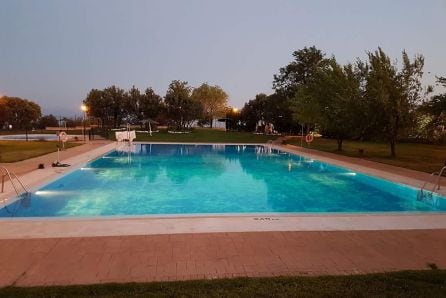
[{"x": 84, "y": 109}]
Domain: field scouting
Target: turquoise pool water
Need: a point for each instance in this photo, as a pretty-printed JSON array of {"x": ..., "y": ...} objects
[{"x": 197, "y": 179}]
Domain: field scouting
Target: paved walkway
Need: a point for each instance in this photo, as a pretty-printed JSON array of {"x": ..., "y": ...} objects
[
  {"x": 64, "y": 261},
  {"x": 29, "y": 165}
]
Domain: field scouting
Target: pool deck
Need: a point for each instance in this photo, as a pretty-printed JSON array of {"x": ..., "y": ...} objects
[
  {"x": 89, "y": 260},
  {"x": 131, "y": 249}
]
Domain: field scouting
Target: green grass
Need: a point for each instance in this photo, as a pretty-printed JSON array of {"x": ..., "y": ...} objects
[
  {"x": 203, "y": 135},
  {"x": 430, "y": 283},
  {"x": 12, "y": 151},
  {"x": 420, "y": 157}
]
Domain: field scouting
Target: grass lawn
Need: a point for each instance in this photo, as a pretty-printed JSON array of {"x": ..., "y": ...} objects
[
  {"x": 204, "y": 135},
  {"x": 420, "y": 157},
  {"x": 430, "y": 283},
  {"x": 11, "y": 151}
]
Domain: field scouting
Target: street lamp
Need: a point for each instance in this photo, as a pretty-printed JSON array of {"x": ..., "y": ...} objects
[{"x": 84, "y": 109}]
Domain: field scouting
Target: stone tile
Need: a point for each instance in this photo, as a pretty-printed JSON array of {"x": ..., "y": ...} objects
[{"x": 160, "y": 257}]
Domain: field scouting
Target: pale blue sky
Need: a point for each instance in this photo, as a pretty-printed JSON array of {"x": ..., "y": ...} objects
[{"x": 54, "y": 52}]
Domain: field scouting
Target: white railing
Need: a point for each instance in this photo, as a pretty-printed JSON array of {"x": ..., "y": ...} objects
[
  {"x": 436, "y": 184},
  {"x": 15, "y": 181}
]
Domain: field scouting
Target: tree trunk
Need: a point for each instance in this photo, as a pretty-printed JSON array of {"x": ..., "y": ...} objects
[
  {"x": 392, "y": 148},
  {"x": 211, "y": 122},
  {"x": 26, "y": 133},
  {"x": 339, "y": 141}
]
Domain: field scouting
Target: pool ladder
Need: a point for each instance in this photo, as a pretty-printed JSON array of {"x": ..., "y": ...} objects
[
  {"x": 15, "y": 181},
  {"x": 436, "y": 185}
]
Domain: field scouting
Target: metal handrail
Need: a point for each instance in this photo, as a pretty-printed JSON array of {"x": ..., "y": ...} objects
[
  {"x": 436, "y": 185},
  {"x": 11, "y": 176}
]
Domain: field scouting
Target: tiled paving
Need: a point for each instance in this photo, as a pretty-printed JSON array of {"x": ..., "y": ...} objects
[
  {"x": 25, "y": 166},
  {"x": 63, "y": 261}
]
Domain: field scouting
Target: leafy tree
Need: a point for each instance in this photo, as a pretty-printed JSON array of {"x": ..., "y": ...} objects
[
  {"x": 278, "y": 112},
  {"x": 180, "y": 106},
  {"x": 294, "y": 78},
  {"x": 151, "y": 104},
  {"x": 20, "y": 113},
  {"x": 97, "y": 106},
  {"x": 306, "y": 110},
  {"x": 115, "y": 101},
  {"x": 274, "y": 108},
  {"x": 299, "y": 72},
  {"x": 254, "y": 111},
  {"x": 392, "y": 94},
  {"x": 107, "y": 104},
  {"x": 73, "y": 122},
  {"x": 132, "y": 106},
  {"x": 47, "y": 121},
  {"x": 142, "y": 106},
  {"x": 4, "y": 111},
  {"x": 433, "y": 112},
  {"x": 213, "y": 99},
  {"x": 332, "y": 98}
]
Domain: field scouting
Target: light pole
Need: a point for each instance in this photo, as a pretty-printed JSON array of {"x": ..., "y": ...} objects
[{"x": 84, "y": 109}]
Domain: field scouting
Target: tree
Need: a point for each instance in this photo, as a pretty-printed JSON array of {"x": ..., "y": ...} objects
[
  {"x": 107, "y": 104},
  {"x": 115, "y": 100},
  {"x": 331, "y": 99},
  {"x": 4, "y": 112},
  {"x": 392, "y": 95},
  {"x": 274, "y": 108},
  {"x": 132, "y": 106},
  {"x": 278, "y": 112},
  {"x": 306, "y": 110},
  {"x": 254, "y": 111},
  {"x": 20, "y": 113},
  {"x": 292, "y": 81},
  {"x": 151, "y": 104},
  {"x": 433, "y": 112},
  {"x": 181, "y": 108},
  {"x": 213, "y": 99},
  {"x": 47, "y": 121},
  {"x": 142, "y": 106},
  {"x": 299, "y": 72},
  {"x": 97, "y": 106}
]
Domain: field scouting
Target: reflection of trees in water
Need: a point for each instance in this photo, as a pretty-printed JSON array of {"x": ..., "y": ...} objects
[
  {"x": 192, "y": 162},
  {"x": 284, "y": 175},
  {"x": 299, "y": 184},
  {"x": 148, "y": 161}
]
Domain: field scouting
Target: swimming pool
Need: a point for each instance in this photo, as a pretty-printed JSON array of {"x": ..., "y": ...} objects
[{"x": 151, "y": 179}]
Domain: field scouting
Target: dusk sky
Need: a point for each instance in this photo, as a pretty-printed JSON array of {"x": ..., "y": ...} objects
[{"x": 54, "y": 52}]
